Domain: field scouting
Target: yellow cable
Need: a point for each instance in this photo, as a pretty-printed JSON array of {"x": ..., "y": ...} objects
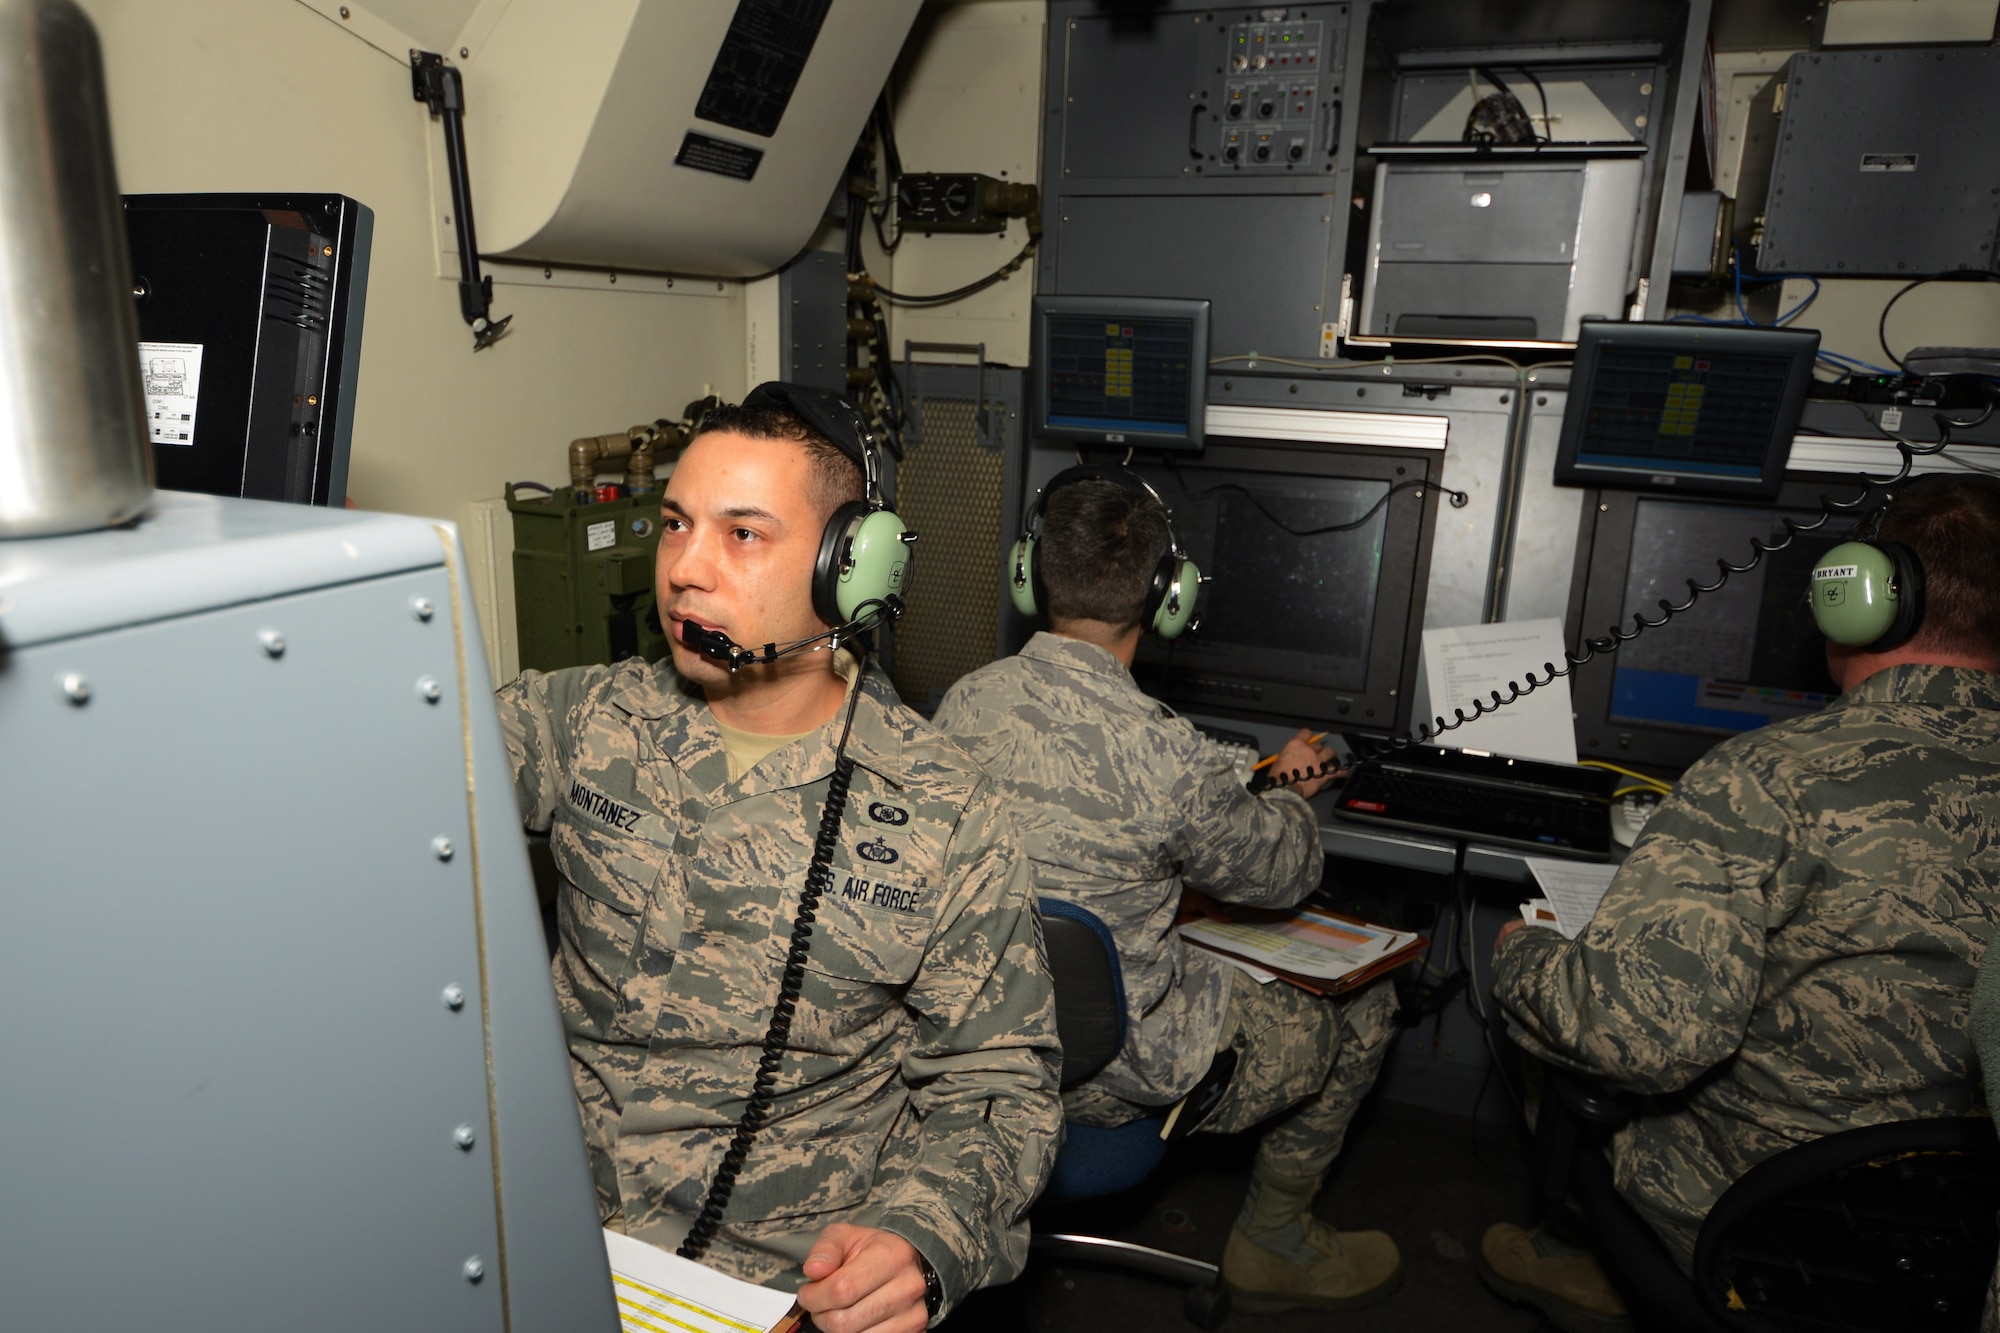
[{"x": 1657, "y": 784}]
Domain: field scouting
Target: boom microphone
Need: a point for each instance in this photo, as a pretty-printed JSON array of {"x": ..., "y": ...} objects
[{"x": 714, "y": 643}]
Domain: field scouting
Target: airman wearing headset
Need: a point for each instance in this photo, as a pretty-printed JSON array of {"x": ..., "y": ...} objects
[
  {"x": 1122, "y": 805},
  {"x": 1790, "y": 947},
  {"x": 812, "y": 1038}
]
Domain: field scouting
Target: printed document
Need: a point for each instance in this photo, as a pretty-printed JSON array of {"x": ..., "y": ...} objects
[
  {"x": 660, "y": 1292},
  {"x": 1574, "y": 889},
  {"x": 1473, "y": 661}
]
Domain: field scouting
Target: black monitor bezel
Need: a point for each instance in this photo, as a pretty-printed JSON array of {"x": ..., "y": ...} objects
[
  {"x": 1800, "y": 345},
  {"x": 1121, "y": 307},
  {"x": 1382, "y": 705},
  {"x": 1597, "y": 598}
]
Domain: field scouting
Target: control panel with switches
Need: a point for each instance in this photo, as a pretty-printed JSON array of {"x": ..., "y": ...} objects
[{"x": 1271, "y": 111}]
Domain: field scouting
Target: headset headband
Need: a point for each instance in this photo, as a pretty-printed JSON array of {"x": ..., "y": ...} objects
[
  {"x": 1117, "y": 476},
  {"x": 833, "y": 417}
]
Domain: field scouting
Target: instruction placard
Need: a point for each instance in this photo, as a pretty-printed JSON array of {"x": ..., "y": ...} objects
[{"x": 171, "y": 376}]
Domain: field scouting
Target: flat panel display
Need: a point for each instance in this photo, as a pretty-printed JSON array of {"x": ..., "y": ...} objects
[
  {"x": 1684, "y": 407},
  {"x": 1740, "y": 658},
  {"x": 1315, "y": 559},
  {"x": 1120, "y": 370}
]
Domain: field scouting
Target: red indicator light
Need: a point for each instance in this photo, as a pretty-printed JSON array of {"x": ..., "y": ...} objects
[{"x": 1372, "y": 807}]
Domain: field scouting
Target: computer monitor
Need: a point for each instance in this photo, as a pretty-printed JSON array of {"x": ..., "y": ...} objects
[
  {"x": 1298, "y": 629},
  {"x": 1740, "y": 658},
  {"x": 1126, "y": 371},
  {"x": 1690, "y": 408}
]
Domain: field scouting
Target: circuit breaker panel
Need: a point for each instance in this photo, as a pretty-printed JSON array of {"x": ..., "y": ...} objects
[{"x": 1204, "y": 153}]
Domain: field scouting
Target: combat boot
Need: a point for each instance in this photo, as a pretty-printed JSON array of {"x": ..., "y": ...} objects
[
  {"x": 1308, "y": 1263},
  {"x": 1567, "y": 1285}
]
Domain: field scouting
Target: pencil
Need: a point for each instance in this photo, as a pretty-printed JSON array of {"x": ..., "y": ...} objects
[{"x": 1271, "y": 759}]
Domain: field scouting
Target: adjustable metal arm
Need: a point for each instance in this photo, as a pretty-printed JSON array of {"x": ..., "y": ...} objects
[{"x": 440, "y": 87}]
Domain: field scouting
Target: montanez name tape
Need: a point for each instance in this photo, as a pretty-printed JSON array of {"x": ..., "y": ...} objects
[
  {"x": 1837, "y": 572},
  {"x": 601, "y": 807},
  {"x": 876, "y": 893}
]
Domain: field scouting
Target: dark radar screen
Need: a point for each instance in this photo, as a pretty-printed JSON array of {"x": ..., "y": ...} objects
[
  {"x": 1655, "y": 411},
  {"x": 1740, "y": 658},
  {"x": 1280, "y": 606},
  {"x": 1119, "y": 374}
]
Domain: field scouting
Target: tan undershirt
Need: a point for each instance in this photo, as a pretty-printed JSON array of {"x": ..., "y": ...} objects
[{"x": 747, "y": 749}]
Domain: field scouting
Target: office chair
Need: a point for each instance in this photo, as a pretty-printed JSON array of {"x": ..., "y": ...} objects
[
  {"x": 1883, "y": 1228},
  {"x": 1097, "y": 1163}
]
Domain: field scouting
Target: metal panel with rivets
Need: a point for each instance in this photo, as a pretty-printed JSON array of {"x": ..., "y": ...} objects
[{"x": 281, "y": 1041}]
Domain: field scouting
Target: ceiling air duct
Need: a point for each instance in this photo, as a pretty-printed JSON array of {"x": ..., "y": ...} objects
[{"x": 686, "y": 136}]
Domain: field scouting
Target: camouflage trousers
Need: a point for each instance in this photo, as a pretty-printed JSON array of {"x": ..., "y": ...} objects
[{"x": 1303, "y": 1064}]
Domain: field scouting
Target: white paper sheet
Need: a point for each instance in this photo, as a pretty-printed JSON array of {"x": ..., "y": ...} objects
[
  {"x": 1574, "y": 889},
  {"x": 1472, "y": 661},
  {"x": 658, "y": 1290}
]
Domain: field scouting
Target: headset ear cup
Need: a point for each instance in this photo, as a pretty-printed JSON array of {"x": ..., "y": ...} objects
[
  {"x": 1850, "y": 594},
  {"x": 1176, "y": 610},
  {"x": 1021, "y": 576},
  {"x": 1909, "y": 603},
  {"x": 833, "y": 546},
  {"x": 877, "y": 565}
]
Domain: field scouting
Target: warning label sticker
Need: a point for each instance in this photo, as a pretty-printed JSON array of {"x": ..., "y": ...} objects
[
  {"x": 705, "y": 153},
  {"x": 600, "y": 535},
  {"x": 170, "y": 374},
  {"x": 1888, "y": 161}
]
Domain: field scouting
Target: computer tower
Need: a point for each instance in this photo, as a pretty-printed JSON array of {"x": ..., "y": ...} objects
[{"x": 250, "y": 311}]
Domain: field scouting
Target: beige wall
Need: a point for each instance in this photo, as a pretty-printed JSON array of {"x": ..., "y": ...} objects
[
  {"x": 968, "y": 97},
  {"x": 267, "y": 95}
]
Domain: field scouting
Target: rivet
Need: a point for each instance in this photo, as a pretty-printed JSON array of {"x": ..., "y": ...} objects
[
  {"x": 464, "y": 52},
  {"x": 454, "y": 996},
  {"x": 474, "y": 1269},
  {"x": 464, "y": 1137},
  {"x": 430, "y": 691},
  {"x": 274, "y": 642},
  {"x": 343, "y": 12},
  {"x": 422, "y": 608},
  {"x": 442, "y": 846},
  {"x": 76, "y": 688}
]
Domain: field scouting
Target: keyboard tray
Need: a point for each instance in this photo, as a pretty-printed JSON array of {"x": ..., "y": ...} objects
[{"x": 1553, "y": 809}]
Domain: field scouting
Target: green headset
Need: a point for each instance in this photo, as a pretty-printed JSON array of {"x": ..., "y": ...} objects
[
  {"x": 1170, "y": 600},
  {"x": 1869, "y": 593},
  {"x": 864, "y": 551}
]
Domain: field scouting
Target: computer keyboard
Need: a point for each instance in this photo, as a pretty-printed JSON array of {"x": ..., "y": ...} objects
[
  {"x": 1239, "y": 746},
  {"x": 1550, "y": 808}
]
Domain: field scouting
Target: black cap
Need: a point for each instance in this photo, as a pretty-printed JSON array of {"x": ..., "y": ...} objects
[{"x": 822, "y": 409}]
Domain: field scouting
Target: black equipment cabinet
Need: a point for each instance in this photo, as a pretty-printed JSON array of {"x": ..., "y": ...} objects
[{"x": 266, "y": 294}]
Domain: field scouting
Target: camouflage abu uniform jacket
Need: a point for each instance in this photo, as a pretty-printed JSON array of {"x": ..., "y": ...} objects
[
  {"x": 919, "y": 1090},
  {"x": 1790, "y": 949},
  {"x": 1120, "y": 802}
]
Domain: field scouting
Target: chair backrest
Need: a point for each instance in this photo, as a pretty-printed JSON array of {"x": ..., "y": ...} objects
[
  {"x": 1090, "y": 988},
  {"x": 1884, "y": 1227}
]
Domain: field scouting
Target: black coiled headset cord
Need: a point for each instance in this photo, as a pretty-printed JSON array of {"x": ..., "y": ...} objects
[{"x": 764, "y": 1090}]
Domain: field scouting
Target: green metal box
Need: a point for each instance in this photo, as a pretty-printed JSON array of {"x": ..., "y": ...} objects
[{"x": 583, "y": 578}]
